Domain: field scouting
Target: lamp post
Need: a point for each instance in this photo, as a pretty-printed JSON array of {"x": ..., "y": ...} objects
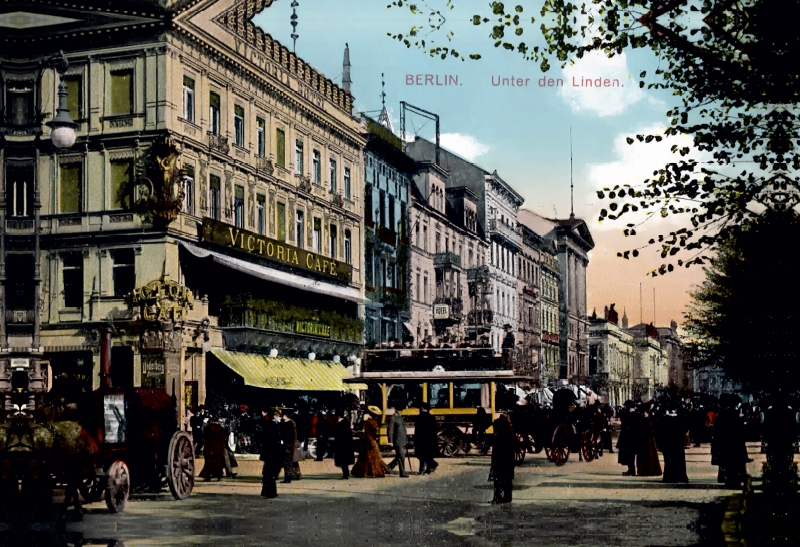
[{"x": 62, "y": 127}]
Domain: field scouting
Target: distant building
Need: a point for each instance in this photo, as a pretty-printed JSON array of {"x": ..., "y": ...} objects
[
  {"x": 529, "y": 342},
  {"x": 611, "y": 359},
  {"x": 678, "y": 373}
]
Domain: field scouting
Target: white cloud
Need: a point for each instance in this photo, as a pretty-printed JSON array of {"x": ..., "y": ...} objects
[
  {"x": 465, "y": 146},
  {"x": 634, "y": 164},
  {"x": 595, "y": 67}
]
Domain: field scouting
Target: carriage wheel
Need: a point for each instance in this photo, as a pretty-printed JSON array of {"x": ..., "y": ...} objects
[
  {"x": 519, "y": 452},
  {"x": 91, "y": 489},
  {"x": 559, "y": 448},
  {"x": 587, "y": 448},
  {"x": 447, "y": 445},
  {"x": 118, "y": 487},
  {"x": 180, "y": 465}
]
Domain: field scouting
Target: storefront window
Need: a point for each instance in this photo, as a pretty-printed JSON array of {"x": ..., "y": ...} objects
[
  {"x": 466, "y": 395},
  {"x": 439, "y": 395}
]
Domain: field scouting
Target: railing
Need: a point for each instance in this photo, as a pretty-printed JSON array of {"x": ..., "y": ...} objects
[
  {"x": 337, "y": 200},
  {"x": 505, "y": 230},
  {"x": 391, "y": 296},
  {"x": 550, "y": 337},
  {"x": 446, "y": 260},
  {"x": 481, "y": 273},
  {"x": 480, "y": 318},
  {"x": 387, "y": 236},
  {"x": 26, "y": 224},
  {"x": 19, "y": 317},
  {"x": 264, "y": 165},
  {"x": 407, "y": 359},
  {"x": 218, "y": 143}
]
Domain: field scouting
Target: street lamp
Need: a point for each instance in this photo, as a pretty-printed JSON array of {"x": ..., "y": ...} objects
[{"x": 62, "y": 128}]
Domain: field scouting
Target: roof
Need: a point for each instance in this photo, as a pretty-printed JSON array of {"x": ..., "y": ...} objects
[
  {"x": 286, "y": 373},
  {"x": 576, "y": 228}
]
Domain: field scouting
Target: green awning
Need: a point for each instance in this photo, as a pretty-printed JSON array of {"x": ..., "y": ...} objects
[{"x": 286, "y": 372}]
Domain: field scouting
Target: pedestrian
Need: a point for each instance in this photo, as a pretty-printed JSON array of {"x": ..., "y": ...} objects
[
  {"x": 504, "y": 445},
  {"x": 398, "y": 438},
  {"x": 479, "y": 427},
  {"x": 321, "y": 431},
  {"x": 672, "y": 428},
  {"x": 626, "y": 443},
  {"x": 728, "y": 447},
  {"x": 369, "y": 462},
  {"x": 230, "y": 447},
  {"x": 343, "y": 446},
  {"x": 214, "y": 450},
  {"x": 196, "y": 422},
  {"x": 271, "y": 454},
  {"x": 289, "y": 438},
  {"x": 426, "y": 440},
  {"x": 647, "y": 463}
]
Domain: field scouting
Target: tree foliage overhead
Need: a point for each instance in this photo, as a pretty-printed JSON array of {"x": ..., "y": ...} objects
[
  {"x": 731, "y": 66},
  {"x": 745, "y": 314}
]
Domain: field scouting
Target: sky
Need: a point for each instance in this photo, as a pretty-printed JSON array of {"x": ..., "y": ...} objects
[{"x": 523, "y": 132}]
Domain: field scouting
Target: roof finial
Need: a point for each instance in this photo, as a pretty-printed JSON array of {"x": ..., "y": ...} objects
[
  {"x": 571, "y": 187},
  {"x": 346, "y": 81},
  {"x": 383, "y": 91},
  {"x": 385, "y": 120},
  {"x": 295, "y": 36}
]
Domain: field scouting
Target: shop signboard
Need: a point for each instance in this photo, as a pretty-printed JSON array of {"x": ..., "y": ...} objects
[
  {"x": 254, "y": 244},
  {"x": 154, "y": 370},
  {"x": 441, "y": 311}
]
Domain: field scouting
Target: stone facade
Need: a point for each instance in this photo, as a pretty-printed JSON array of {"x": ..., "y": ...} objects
[
  {"x": 529, "y": 303},
  {"x": 611, "y": 360}
]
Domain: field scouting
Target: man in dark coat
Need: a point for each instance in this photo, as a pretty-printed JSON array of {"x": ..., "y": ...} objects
[
  {"x": 672, "y": 427},
  {"x": 728, "y": 447},
  {"x": 504, "y": 447},
  {"x": 289, "y": 438},
  {"x": 343, "y": 446},
  {"x": 426, "y": 440},
  {"x": 399, "y": 439},
  {"x": 321, "y": 427},
  {"x": 627, "y": 441},
  {"x": 272, "y": 454}
]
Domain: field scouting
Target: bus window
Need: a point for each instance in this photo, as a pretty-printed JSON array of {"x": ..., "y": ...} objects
[
  {"x": 407, "y": 395},
  {"x": 466, "y": 395},
  {"x": 439, "y": 395}
]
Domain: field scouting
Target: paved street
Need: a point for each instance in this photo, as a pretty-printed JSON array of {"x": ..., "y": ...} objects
[{"x": 577, "y": 504}]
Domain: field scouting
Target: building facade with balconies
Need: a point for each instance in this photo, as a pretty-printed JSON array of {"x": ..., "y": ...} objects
[
  {"x": 212, "y": 203},
  {"x": 445, "y": 248},
  {"x": 611, "y": 359},
  {"x": 529, "y": 303},
  {"x": 387, "y": 179}
]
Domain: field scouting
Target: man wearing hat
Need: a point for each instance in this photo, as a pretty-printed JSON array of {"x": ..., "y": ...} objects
[
  {"x": 426, "y": 441},
  {"x": 289, "y": 437},
  {"x": 399, "y": 439}
]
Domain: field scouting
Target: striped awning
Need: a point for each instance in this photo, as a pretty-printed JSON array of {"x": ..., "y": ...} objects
[{"x": 286, "y": 372}]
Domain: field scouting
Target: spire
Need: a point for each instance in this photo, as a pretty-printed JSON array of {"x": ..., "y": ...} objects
[
  {"x": 346, "y": 81},
  {"x": 624, "y": 318},
  {"x": 571, "y": 187},
  {"x": 295, "y": 36},
  {"x": 384, "y": 120}
]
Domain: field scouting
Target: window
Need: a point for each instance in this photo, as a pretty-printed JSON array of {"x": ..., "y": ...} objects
[
  {"x": 403, "y": 396},
  {"x": 188, "y": 189},
  {"x": 317, "y": 235},
  {"x": 438, "y": 242},
  {"x": 69, "y": 191},
  {"x": 214, "y": 113},
  {"x": 425, "y": 237},
  {"x": 333, "y": 175},
  {"x": 466, "y": 395},
  {"x": 418, "y": 288},
  {"x": 392, "y": 224},
  {"x": 215, "y": 197},
  {"x": 333, "y": 241},
  {"x": 238, "y": 206},
  {"x": 301, "y": 228},
  {"x": 425, "y": 289},
  {"x": 439, "y": 395},
  {"x": 348, "y": 249},
  {"x": 382, "y": 207},
  {"x": 261, "y": 201},
  {"x": 368, "y": 216},
  {"x": 347, "y": 189},
  {"x": 74, "y": 97},
  {"x": 19, "y": 190},
  {"x": 281, "y": 221},
  {"x": 120, "y": 183},
  {"x": 299, "y": 164},
  {"x": 19, "y": 101},
  {"x": 238, "y": 126},
  {"x": 188, "y": 99},
  {"x": 121, "y": 93},
  {"x": 262, "y": 137},
  {"x": 317, "y": 164},
  {"x": 73, "y": 280},
  {"x": 124, "y": 272},
  {"x": 280, "y": 144}
]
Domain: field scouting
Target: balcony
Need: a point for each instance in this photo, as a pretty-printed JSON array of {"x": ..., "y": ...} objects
[
  {"x": 396, "y": 298},
  {"x": 19, "y": 317},
  {"x": 480, "y": 318},
  {"x": 264, "y": 166},
  {"x": 446, "y": 260},
  {"x": 218, "y": 143},
  {"x": 505, "y": 231},
  {"x": 481, "y": 273},
  {"x": 387, "y": 236}
]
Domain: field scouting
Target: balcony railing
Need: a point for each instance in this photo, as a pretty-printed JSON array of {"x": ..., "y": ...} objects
[
  {"x": 218, "y": 143},
  {"x": 479, "y": 318},
  {"x": 387, "y": 236},
  {"x": 264, "y": 165},
  {"x": 505, "y": 230},
  {"x": 446, "y": 260},
  {"x": 19, "y": 317},
  {"x": 481, "y": 273}
]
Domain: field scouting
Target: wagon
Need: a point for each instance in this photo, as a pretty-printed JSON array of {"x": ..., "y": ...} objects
[
  {"x": 140, "y": 447},
  {"x": 569, "y": 435}
]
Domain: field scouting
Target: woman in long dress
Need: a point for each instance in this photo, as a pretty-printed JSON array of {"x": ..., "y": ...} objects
[
  {"x": 647, "y": 463},
  {"x": 215, "y": 442},
  {"x": 370, "y": 463}
]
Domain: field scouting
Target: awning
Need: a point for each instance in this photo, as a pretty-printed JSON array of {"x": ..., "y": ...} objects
[
  {"x": 276, "y": 276},
  {"x": 286, "y": 372},
  {"x": 408, "y": 328}
]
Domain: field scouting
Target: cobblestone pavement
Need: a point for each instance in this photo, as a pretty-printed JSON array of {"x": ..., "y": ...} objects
[{"x": 577, "y": 504}]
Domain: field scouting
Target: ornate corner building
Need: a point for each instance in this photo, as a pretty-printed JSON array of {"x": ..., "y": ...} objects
[{"x": 210, "y": 209}]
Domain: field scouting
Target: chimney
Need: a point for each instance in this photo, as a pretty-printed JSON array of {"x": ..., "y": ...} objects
[{"x": 346, "y": 81}]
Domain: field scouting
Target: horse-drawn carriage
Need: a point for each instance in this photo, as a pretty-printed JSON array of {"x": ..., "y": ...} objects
[
  {"x": 140, "y": 447},
  {"x": 572, "y": 430}
]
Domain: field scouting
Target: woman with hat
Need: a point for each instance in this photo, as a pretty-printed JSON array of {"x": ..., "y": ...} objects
[{"x": 369, "y": 463}]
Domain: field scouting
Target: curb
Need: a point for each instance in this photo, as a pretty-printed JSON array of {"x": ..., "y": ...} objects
[{"x": 732, "y": 521}]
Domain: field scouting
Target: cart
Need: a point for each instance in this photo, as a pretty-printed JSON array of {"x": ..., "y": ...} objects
[
  {"x": 571, "y": 433},
  {"x": 140, "y": 448}
]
